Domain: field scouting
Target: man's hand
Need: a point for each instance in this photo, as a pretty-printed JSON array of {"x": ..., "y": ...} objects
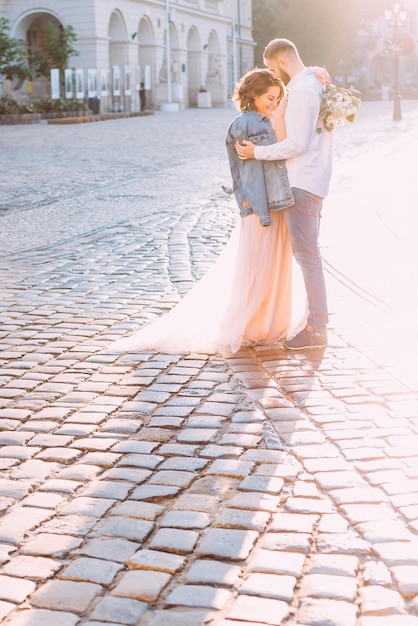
[{"x": 245, "y": 149}]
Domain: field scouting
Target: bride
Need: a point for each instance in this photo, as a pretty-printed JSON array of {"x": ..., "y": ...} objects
[{"x": 245, "y": 299}]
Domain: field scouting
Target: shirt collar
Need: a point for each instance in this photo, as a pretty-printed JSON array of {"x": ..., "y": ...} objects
[{"x": 299, "y": 76}]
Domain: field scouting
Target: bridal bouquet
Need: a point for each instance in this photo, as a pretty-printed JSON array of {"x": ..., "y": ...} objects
[{"x": 338, "y": 105}]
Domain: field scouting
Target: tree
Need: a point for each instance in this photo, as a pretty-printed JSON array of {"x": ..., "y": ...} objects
[
  {"x": 13, "y": 59},
  {"x": 325, "y": 32},
  {"x": 55, "y": 51}
]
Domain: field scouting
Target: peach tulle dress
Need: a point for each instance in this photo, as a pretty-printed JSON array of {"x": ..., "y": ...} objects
[{"x": 244, "y": 299}]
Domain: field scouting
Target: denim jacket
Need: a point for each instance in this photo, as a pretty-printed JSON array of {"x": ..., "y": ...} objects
[{"x": 259, "y": 186}]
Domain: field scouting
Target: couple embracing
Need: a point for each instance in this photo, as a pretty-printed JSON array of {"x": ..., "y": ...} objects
[{"x": 281, "y": 160}]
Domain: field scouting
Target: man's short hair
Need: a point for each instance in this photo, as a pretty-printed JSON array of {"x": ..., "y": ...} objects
[{"x": 279, "y": 47}]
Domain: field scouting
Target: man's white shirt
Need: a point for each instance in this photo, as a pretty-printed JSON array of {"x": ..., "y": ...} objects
[{"x": 308, "y": 153}]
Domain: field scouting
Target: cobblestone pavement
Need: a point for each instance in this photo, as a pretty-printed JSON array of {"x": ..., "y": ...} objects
[{"x": 150, "y": 489}]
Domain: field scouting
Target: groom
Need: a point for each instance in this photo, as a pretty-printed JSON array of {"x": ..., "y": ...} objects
[{"x": 309, "y": 157}]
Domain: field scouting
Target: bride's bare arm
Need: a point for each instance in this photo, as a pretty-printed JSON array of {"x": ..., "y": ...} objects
[
  {"x": 322, "y": 74},
  {"x": 278, "y": 119}
]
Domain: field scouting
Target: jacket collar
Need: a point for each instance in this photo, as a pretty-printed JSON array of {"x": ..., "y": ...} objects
[{"x": 258, "y": 116}]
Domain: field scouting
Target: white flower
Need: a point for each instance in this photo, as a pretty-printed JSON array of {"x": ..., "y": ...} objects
[{"x": 339, "y": 105}]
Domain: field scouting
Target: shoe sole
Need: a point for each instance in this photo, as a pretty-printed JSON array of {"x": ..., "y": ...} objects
[{"x": 322, "y": 345}]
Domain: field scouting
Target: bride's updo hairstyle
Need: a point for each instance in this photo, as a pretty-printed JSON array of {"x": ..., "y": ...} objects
[{"x": 254, "y": 83}]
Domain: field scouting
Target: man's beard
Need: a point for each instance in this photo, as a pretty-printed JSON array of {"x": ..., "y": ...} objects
[{"x": 284, "y": 76}]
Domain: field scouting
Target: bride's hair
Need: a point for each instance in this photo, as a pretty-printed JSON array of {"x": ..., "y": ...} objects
[{"x": 254, "y": 83}]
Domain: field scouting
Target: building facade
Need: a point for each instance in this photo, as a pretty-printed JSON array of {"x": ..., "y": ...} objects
[{"x": 178, "y": 48}]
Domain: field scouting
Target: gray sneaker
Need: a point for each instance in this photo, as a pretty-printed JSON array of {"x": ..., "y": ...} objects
[{"x": 307, "y": 338}]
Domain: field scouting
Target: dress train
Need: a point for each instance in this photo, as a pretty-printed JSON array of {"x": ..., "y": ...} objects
[{"x": 244, "y": 299}]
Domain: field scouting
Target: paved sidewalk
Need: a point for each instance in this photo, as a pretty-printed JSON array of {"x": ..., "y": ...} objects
[{"x": 149, "y": 489}]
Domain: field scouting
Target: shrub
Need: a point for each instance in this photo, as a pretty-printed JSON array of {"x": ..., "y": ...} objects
[{"x": 10, "y": 106}]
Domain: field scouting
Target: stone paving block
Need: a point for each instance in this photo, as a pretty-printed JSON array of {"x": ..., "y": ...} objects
[
  {"x": 287, "y": 471},
  {"x": 65, "y": 595},
  {"x": 221, "y": 452},
  {"x": 5, "y": 609},
  {"x": 406, "y": 577},
  {"x": 230, "y": 467},
  {"x": 140, "y": 510},
  {"x": 210, "y": 572},
  {"x": 265, "y": 456},
  {"x": 142, "y": 585},
  {"x": 127, "y": 474},
  {"x": 79, "y": 472},
  {"x": 185, "y": 519},
  {"x": 183, "y": 463},
  {"x": 344, "y": 543},
  {"x": 332, "y": 523},
  {"x": 174, "y": 617},
  {"x": 126, "y": 528},
  {"x": 18, "y": 452},
  {"x": 278, "y": 587},
  {"x": 333, "y": 564},
  {"x": 242, "y": 439},
  {"x": 359, "y": 495},
  {"x": 253, "y": 608},
  {"x": 119, "y": 611},
  {"x": 298, "y": 542},
  {"x": 197, "y": 502},
  {"x": 174, "y": 540},
  {"x": 245, "y": 417},
  {"x": 42, "y": 617},
  {"x": 91, "y": 570},
  {"x": 36, "y": 470},
  {"x": 196, "y": 435},
  {"x": 376, "y": 573},
  {"x": 205, "y": 421},
  {"x": 61, "y": 486},
  {"x": 77, "y": 525},
  {"x": 33, "y": 567},
  {"x": 19, "y": 521},
  {"x": 156, "y": 560},
  {"x": 91, "y": 507},
  {"x": 14, "y": 589},
  {"x": 43, "y": 500},
  {"x": 315, "y": 612},
  {"x": 247, "y": 520},
  {"x": 357, "y": 513},
  {"x": 108, "y": 489},
  {"x": 165, "y": 422},
  {"x": 132, "y": 446},
  {"x": 95, "y": 444},
  {"x": 388, "y": 620},
  {"x": 150, "y": 461},
  {"x": 118, "y": 550},
  {"x": 376, "y": 600},
  {"x": 20, "y": 438},
  {"x": 309, "y": 505},
  {"x": 47, "y": 544},
  {"x": 154, "y": 492},
  {"x": 220, "y": 486},
  {"x": 329, "y": 586},
  {"x": 13, "y": 489},
  {"x": 234, "y": 545},
  {"x": 390, "y": 530},
  {"x": 171, "y": 449},
  {"x": 101, "y": 459},
  {"x": 5, "y": 551},
  {"x": 255, "y": 502},
  {"x": 172, "y": 477},
  {"x": 47, "y": 440},
  {"x": 94, "y": 623},
  {"x": 198, "y": 596},
  {"x": 293, "y": 522},
  {"x": 277, "y": 562}
]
